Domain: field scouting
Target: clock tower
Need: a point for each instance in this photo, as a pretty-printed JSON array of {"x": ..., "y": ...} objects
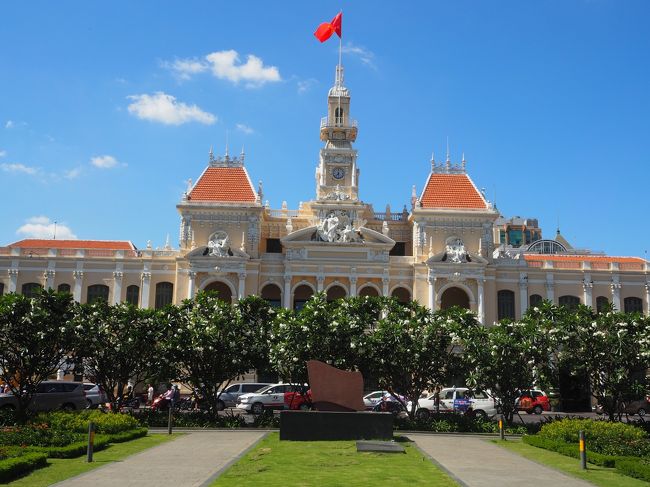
[{"x": 337, "y": 176}]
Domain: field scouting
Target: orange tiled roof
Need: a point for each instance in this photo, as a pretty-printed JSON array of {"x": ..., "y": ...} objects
[
  {"x": 451, "y": 191},
  {"x": 36, "y": 243},
  {"x": 223, "y": 184},
  {"x": 582, "y": 258}
]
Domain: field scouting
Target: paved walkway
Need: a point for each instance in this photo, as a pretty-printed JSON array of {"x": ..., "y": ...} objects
[
  {"x": 476, "y": 462},
  {"x": 190, "y": 460}
]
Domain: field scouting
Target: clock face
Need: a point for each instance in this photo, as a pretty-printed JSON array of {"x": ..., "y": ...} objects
[{"x": 338, "y": 173}]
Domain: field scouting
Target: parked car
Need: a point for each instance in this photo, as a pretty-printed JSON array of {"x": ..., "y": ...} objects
[
  {"x": 95, "y": 395},
  {"x": 228, "y": 397},
  {"x": 370, "y": 400},
  {"x": 51, "y": 394},
  {"x": 640, "y": 407},
  {"x": 533, "y": 402},
  {"x": 268, "y": 398},
  {"x": 298, "y": 400},
  {"x": 458, "y": 399}
]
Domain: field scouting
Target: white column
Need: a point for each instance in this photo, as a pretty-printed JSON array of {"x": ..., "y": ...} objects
[
  {"x": 241, "y": 292},
  {"x": 320, "y": 280},
  {"x": 647, "y": 298},
  {"x": 550, "y": 288},
  {"x": 49, "y": 278},
  {"x": 587, "y": 291},
  {"x": 385, "y": 280},
  {"x": 523, "y": 293},
  {"x": 78, "y": 276},
  {"x": 13, "y": 280},
  {"x": 117, "y": 286},
  {"x": 353, "y": 286},
  {"x": 481, "y": 301},
  {"x": 616, "y": 293},
  {"x": 191, "y": 283},
  {"x": 287, "y": 292},
  {"x": 431, "y": 280},
  {"x": 144, "y": 289}
]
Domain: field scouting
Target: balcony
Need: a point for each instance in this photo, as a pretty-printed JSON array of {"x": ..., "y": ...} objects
[{"x": 327, "y": 122}]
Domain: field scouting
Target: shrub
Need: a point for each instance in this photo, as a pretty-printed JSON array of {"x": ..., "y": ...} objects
[
  {"x": 78, "y": 421},
  {"x": 452, "y": 423},
  {"x": 634, "y": 467},
  {"x": 601, "y": 436},
  {"x": 571, "y": 450},
  {"x": 36, "y": 435},
  {"x": 11, "y": 468}
]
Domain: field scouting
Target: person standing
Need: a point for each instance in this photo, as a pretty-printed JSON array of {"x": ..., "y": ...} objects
[{"x": 149, "y": 394}]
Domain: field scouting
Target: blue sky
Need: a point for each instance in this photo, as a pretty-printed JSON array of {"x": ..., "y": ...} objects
[{"x": 106, "y": 109}]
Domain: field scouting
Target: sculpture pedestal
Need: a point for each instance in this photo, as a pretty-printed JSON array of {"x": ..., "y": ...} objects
[{"x": 330, "y": 425}]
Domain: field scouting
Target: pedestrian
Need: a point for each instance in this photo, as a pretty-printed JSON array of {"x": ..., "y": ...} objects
[
  {"x": 436, "y": 399},
  {"x": 149, "y": 394},
  {"x": 177, "y": 394}
]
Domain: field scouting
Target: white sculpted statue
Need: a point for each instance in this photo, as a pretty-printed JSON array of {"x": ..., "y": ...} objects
[
  {"x": 456, "y": 252},
  {"x": 337, "y": 227},
  {"x": 219, "y": 244}
]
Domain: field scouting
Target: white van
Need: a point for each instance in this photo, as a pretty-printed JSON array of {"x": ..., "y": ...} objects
[{"x": 458, "y": 399}]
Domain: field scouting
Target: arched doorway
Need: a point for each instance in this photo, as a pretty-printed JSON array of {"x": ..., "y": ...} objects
[
  {"x": 402, "y": 294},
  {"x": 454, "y": 296},
  {"x": 368, "y": 291},
  {"x": 273, "y": 295},
  {"x": 301, "y": 295},
  {"x": 222, "y": 289},
  {"x": 335, "y": 292}
]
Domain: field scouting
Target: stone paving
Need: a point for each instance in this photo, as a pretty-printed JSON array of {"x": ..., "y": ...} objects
[
  {"x": 476, "y": 462},
  {"x": 192, "y": 460}
]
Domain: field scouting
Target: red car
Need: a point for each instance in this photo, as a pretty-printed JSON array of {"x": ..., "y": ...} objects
[
  {"x": 533, "y": 401},
  {"x": 297, "y": 400}
]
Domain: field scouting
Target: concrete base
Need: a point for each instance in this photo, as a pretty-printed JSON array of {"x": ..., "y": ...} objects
[{"x": 329, "y": 425}]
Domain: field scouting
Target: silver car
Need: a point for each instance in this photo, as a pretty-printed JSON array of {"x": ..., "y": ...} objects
[
  {"x": 51, "y": 394},
  {"x": 228, "y": 397},
  {"x": 95, "y": 395}
]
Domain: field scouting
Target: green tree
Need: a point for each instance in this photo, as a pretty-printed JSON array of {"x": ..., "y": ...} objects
[
  {"x": 212, "y": 342},
  {"x": 37, "y": 336},
  {"x": 414, "y": 349},
  {"x": 121, "y": 345}
]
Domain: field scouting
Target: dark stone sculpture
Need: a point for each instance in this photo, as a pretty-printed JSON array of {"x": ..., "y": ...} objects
[{"x": 333, "y": 389}]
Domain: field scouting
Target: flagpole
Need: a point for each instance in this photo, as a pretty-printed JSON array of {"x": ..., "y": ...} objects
[{"x": 340, "y": 74}]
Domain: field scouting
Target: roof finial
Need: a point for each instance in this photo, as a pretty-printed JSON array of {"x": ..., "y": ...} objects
[
  {"x": 226, "y": 143},
  {"x": 433, "y": 161},
  {"x": 211, "y": 154},
  {"x": 448, "y": 161},
  {"x": 463, "y": 162}
]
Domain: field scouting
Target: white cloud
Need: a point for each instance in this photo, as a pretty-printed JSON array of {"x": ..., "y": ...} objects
[
  {"x": 163, "y": 108},
  {"x": 244, "y": 128},
  {"x": 3, "y": 153},
  {"x": 105, "y": 162},
  {"x": 226, "y": 65},
  {"x": 72, "y": 173},
  {"x": 185, "y": 68},
  {"x": 43, "y": 227},
  {"x": 9, "y": 124},
  {"x": 305, "y": 85},
  {"x": 365, "y": 56},
  {"x": 17, "y": 167}
]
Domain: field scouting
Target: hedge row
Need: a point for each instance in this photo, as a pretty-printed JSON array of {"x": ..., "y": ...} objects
[
  {"x": 631, "y": 466},
  {"x": 11, "y": 468}
]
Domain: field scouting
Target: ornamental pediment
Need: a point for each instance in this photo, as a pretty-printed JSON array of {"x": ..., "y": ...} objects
[{"x": 334, "y": 235}]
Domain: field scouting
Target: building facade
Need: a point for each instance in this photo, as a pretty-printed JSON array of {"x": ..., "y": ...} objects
[{"x": 449, "y": 246}]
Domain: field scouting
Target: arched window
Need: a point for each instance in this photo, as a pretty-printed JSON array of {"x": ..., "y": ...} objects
[
  {"x": 97, "y": 292},
  {"x": 633, "y": 305},
  {"x": 454, "y": 296},
  {"x": 546, "y": 247},
  {"x": 401, "y": 294},
  {"x": 338, "y": 115},
  {"x": 535, "y": 300},
  {"x": 63, "y": 288},
  {"x": 335, "y": 292},
  {"x": 368, "y": 291},
  {"x": 222, "y": 289},
  {"x": 505, "y": 305},
  {"x": 164, "y": 294},
  {"x": 570, "y": 302},
  {"x": 133, "y": 294},
  {"x": 601, "y": 303},
  {"x": 31, "y": 289},
  {"x": 301, "y": 295},
  {"x": 272, "y": 294}
]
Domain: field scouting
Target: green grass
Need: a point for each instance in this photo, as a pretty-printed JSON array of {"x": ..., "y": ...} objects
[
  {"x": 60, "y": 469},
  {"x": 601, "y": 476},
  {"x": 330, "y": 463}
]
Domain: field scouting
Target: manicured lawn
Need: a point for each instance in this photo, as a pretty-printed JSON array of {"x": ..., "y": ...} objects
[
  {"x": 604, "y": 477},
  {"x": 330, "y": 463},
  {"x": 61, "y": 469}
]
